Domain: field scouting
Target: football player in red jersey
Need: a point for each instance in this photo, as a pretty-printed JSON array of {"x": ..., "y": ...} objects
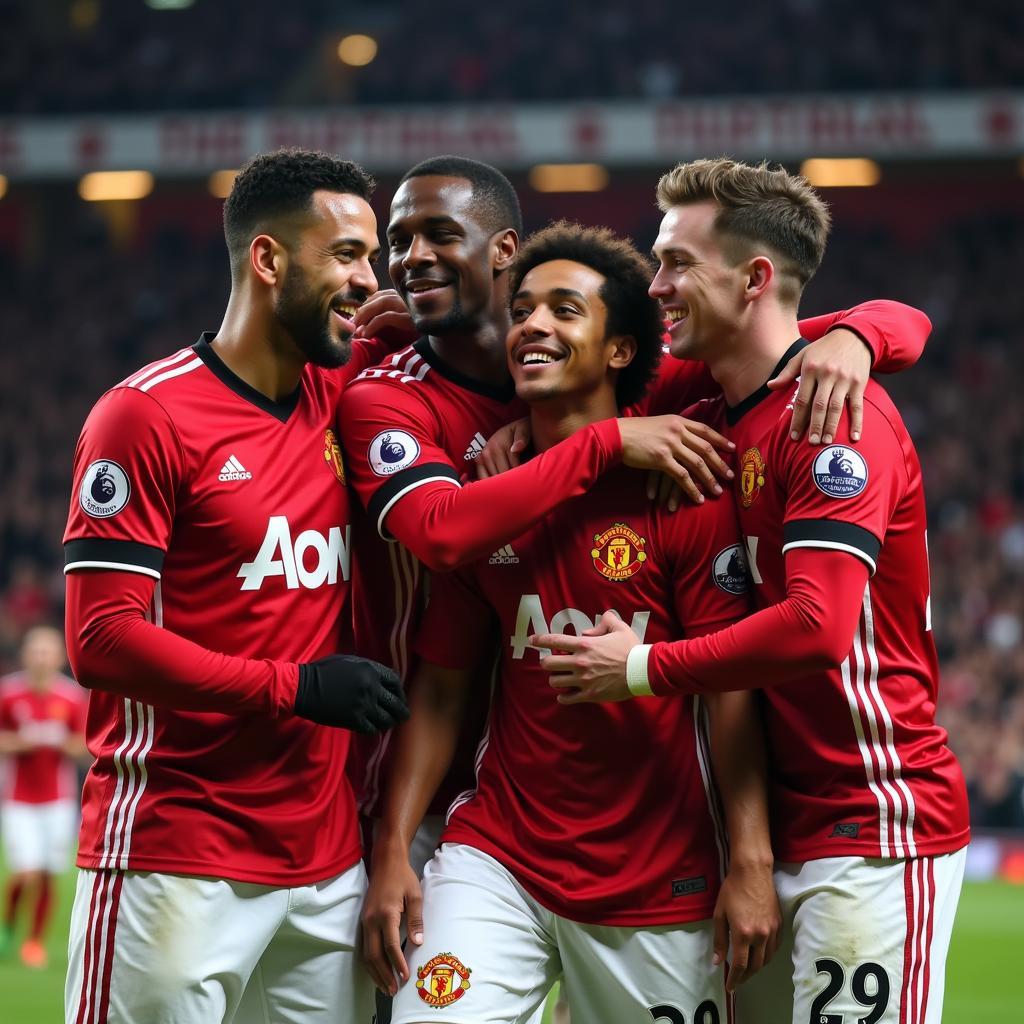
[
  {"x": 869, "y": 804},
  {"x": 42, "y": 732},
  {"x": 558, "y": 862},
  {"x": 208, "y": 558}
]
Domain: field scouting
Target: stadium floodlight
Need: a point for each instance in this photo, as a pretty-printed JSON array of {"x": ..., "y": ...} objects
[
  {"x": 106, "y": 185},
  {"x": 84, "y": 14},
  {"x": 846, "y": 172},
  {"x": 357, "y": 50},
  {"x": 569, "y": 177},
  {"x": 169, "y": 5},
  {"x": 220, "y": 183}
]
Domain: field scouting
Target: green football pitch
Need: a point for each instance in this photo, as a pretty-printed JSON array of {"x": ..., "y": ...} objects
[{"x": 984, "y": 983}]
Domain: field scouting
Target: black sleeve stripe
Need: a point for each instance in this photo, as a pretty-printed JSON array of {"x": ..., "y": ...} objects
[
  {"x": 406, "y": 480},
  {"x": 97, "y": 552},
  {"x": 830, "y": 533}
]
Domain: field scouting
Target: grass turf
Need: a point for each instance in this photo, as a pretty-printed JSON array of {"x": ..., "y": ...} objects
[{"x": 982, "y": 980}]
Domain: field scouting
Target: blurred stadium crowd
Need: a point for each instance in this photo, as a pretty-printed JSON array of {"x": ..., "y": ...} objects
[
  {"x": 86, "y": 313},
  {"x": 130, "y": 57}
]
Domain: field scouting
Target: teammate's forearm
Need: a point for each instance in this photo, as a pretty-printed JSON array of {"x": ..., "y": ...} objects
[
  {"x": 738, "y": 762},
  {"x": 895, "y": 332},
  {"x": 113, "y": 648},
  {"x": 425, "y": 750},
  {"x": 446, "y": 527},
  {"x": 812, "y": 629}
]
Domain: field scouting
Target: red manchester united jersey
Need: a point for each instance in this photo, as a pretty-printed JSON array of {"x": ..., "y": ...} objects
[
  {"x": 606, "y": 813},
  {"x": 47, "y": 719},
  {"x": 409, "y": 421},
  {"x": 858, "y": 765},
  {"x": 236, "y": 505}
]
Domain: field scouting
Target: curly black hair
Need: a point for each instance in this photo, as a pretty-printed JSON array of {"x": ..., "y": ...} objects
[
  {"x": 627, "y": 276},
  {"x": 278, "y": 184},
  {"x": 492, "y": 191}
]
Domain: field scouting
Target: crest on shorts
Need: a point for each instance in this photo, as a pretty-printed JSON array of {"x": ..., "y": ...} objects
[
  {"x": 618, "y": 553},
  {"x": 442, "y": 980},
  {"x": 332, "y": 455},
  {"x": 751, "y": 476}
]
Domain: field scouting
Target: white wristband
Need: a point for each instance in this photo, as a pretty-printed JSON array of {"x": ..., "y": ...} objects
[{"x": 636, "y": 671}]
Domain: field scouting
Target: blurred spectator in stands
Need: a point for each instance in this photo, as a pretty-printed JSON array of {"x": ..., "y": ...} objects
[
  {"x": 124, "y": 57},
  {"x": 25, "y": 602},
  {"x": 42, "y": 733}
]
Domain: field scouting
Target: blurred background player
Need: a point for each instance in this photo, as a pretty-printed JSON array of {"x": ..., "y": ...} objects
[
  {"x": 566, "y": 858},
  {"x": 42, "y": 734},
  {"x": 869, "y": 807},
  {"x": 220, "y": 852}
]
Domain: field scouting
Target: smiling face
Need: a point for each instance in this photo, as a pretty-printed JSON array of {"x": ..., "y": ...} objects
[
  {"x": 441, "y": 255},
  {"x": 558, "y": 344},
  {"x": 328, "y": 276},
  {"x": 699, "y": 288}
]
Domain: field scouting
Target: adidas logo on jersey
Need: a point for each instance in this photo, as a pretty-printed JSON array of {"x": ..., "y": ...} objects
[
  {"x": 234, "y": 470},
  {"x": 504, "y": 556},
  {"x": 476, "y": 446}
]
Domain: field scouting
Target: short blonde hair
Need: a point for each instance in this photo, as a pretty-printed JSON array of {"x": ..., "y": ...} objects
[{"x": 759, "y": 205}]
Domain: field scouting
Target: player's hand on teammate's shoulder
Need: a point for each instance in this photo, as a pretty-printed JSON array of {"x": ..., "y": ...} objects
[
  {"x": 351, "y": 693},
  {"x": 686, "y": 451},
  {"x": 394, "y": 891},
  {"x": 833, "y": 372},
  {"x": 591, "y": 667},
  {"x": 385, "y": 316},
  {"x": 747, "y": 921},
  {"x": 683, "y": 455},
  {"x": 503, "y": 448}
]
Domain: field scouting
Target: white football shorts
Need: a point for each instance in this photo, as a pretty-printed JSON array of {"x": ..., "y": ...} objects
[
  {"x": 864, "y": 940},
  {"x": 491, "y": 954},
  {"x": 150, "y": 948},
  {"x": 39, "y": 837}
]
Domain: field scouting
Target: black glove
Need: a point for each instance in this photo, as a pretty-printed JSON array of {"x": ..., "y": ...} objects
[{"x": 352, "y": 693}]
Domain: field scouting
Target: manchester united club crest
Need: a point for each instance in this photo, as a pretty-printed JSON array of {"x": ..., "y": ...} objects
[
  {"x": 332, "y": 455},
  {"x": 618, "y": 553},
  {"x": 442, "y": 980},
  {"x": 751, "y": 476}
]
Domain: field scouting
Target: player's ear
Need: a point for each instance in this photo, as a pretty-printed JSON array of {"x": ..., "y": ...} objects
[
  {"x": 623, "y": 351},
  {"x": 760, "y": 274},
  {"x": 506, "y": 245},
  {"x": 267, "y": 258}
]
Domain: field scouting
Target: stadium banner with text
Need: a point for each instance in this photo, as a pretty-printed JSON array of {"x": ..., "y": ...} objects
[{"x": 892, "y": 126}]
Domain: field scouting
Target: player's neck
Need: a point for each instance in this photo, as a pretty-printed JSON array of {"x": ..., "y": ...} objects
[
  {"x": 558, "y": 418},
  {"x": 248, "y": 346},
  {"x": 478, "y": 353},
  {"x": 747, "y": 360}
]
